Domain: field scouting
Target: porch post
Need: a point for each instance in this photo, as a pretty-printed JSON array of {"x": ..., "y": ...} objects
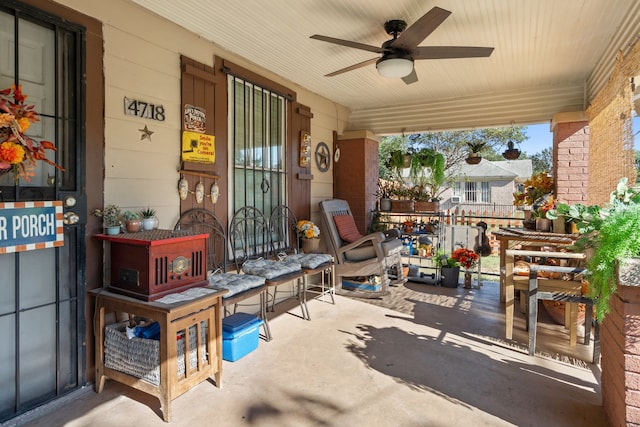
[
  {"x": 620, "y": 339},
  {"x": 355, "y": 175},
  {"x": 571, "y": 156}
]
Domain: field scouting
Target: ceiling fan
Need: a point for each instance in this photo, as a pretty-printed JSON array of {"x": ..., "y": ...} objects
[{"x": 399, "y": 53}]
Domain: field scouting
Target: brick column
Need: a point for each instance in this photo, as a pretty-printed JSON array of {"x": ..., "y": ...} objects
[
  {"x": 571, "y": 156},
  {"x": 355, "y": 175},
  {"x": 620, "y": 339}
]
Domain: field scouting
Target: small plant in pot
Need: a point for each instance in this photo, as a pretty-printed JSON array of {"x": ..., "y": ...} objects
[
  {"x": 384, "y": 193},
  {"x": 132, "y": 221},
  {"x": 149, "y": 219},
  {"x": 474, "y": 157},
  {"x": 110, "y": 218},
  {"x": 449, "y": 269}
]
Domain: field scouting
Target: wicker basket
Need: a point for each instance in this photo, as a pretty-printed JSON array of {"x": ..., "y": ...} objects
[
  {"x": 402, "y": 205},
  {"x": 140, "y": 357}
]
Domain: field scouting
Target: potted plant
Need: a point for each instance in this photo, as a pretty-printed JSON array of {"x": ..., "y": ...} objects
[
  {"x": 398, "y": 160},
  {"x": 423, "y": 198},
  {"x": 110, "y": 218},
  {"x": 473, "y": 158},
  {"x": 384, "y": 193},
  {"x": 614, "y": 235},
  {"x": 449, "y": 270},
  {"x": 309, "y": 234},
  {"x": 149, "y": 219},
  {"x": 511, "y": 153},
  {"x": 132, "y": 221},
  {"x": 402, "y": 198}
]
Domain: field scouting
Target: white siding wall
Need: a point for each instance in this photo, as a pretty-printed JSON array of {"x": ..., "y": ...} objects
[{"x": 142, "y": 61}]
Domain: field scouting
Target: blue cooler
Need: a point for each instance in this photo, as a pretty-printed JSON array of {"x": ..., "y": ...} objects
[{"x": 240, "y": 335}]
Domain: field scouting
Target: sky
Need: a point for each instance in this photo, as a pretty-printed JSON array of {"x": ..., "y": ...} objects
[{"x": 541, "y": 137}]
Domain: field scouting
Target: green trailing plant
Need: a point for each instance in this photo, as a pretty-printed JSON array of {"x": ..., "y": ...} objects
[
  {"x": 614, "y": 234},
  {"x": 396, "y": 162},
  {"x": 618, "y": 239},
  {"x": 427, "y": 158}
]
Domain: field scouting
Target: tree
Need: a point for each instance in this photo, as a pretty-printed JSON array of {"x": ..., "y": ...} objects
[{"x": 541, "y": 162}]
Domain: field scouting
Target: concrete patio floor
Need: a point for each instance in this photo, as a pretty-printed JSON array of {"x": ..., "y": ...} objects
[{"x": 422, "y": 356}]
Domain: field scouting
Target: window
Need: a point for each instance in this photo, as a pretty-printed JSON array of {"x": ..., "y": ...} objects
[
  {"x": 257, "y": 137},
  {"x": 473, "y": 192}
]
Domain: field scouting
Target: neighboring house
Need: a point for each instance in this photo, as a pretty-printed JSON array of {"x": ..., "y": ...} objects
[{"x": 489, "y": 185}]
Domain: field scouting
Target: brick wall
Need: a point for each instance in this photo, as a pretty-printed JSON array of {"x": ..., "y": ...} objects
[
  {"x": 620, "y": 343},
  {"x": 571, "y": 161}
]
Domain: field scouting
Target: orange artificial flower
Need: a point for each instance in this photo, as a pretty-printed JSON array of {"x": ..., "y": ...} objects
[{"x": 11, "y": 153}]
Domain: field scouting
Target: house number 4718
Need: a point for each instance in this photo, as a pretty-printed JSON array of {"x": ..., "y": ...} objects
[{"x": 133, "y": 107}]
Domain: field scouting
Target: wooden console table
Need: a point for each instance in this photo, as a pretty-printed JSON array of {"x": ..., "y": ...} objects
[{"x": 173, "y": 318}]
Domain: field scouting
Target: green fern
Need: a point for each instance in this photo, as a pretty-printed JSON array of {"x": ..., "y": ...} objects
[{"x": 618, "y": 239}]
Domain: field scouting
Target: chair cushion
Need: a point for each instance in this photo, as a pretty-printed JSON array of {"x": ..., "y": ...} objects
[
  {"x": 347, "y": 228},
  {"x": 361, "y": 253},
  {"x": 270, "y": 269},
  {"x": 235, "y": 283},
  {"x": 310, "y": 260},
  {"x": 391, "y": 246}
]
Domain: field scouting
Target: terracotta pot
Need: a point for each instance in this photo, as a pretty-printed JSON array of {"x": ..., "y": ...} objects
[
  {"x": 556, "y": 311},
  {"x": 133, "y": 225}
]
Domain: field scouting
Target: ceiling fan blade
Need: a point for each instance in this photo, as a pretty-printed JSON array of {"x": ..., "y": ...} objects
[
  {"x": 348, "y": 43},
  {"x": 353, "y": 67},
  {"x": 440, "y": 52},
  {"x": 410, "y": 38},
  {"x": 411, "y": 78}
]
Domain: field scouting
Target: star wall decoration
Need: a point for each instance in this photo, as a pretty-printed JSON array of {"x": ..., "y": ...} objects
[{"x": 146, "y": 133}]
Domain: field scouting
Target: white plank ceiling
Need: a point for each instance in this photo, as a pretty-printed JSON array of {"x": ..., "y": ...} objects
[{"x": 550, "y": 55}]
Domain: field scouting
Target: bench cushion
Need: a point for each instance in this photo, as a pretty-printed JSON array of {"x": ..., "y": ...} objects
[
  {"x": 235, "y": 283},
  {"x": 270, "y": 269},
  {"x": 310, "y": 260}
]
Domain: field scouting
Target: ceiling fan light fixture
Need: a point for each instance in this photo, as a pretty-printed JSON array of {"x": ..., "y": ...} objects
[{"x": 395, "y": 66}]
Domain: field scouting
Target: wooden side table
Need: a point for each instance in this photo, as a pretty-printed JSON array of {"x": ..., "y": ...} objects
[{"x": 173, "y": 318}]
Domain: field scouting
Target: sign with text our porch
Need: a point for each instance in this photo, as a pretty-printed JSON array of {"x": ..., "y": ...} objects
[{"x": 27, "y": 226}]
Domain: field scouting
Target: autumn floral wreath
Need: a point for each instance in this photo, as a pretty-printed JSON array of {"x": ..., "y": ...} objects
[{"x": 19, "y": 153}]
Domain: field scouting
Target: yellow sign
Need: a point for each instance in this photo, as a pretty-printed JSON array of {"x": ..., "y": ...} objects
[{"x": 198, "y": 147}]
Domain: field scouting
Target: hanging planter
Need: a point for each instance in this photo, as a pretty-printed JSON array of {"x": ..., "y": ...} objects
[
  {"x": 473, "y": 158},
  {"x": 511, "y": 153}
]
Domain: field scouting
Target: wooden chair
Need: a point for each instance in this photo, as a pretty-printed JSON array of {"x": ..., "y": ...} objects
[{"x": 370, "y": 255}]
